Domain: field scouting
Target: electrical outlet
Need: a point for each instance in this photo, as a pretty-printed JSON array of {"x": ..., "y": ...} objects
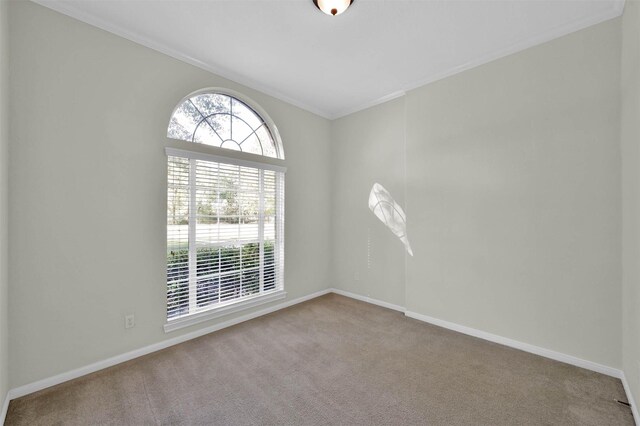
[{"x": 129, "y": 321}]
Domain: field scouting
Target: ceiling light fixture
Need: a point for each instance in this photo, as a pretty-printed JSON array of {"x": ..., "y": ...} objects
[{"x": 332, "y": 7}]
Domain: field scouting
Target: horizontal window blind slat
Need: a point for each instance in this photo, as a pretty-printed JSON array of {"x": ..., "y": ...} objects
[
  {"x": 175, "y": 152},
  {"x": 224, "y": 233}
]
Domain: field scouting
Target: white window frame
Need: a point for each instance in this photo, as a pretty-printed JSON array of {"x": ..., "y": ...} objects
[
  {"x": 257, "y": 109},
  {"x": 239, "y": 304}
]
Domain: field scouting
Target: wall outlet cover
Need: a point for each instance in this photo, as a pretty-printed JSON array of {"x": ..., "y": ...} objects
[{"x": 129, "y": 321}]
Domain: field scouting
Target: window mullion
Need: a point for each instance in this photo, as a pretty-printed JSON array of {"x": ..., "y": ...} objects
[
  {"x": 261, "y": 227},
  {"x": 218, "y": 230},
  {"x": 240, "y": 223},
  {"x": 279, "y": 239},
  {"x": 193, "y": 255}
]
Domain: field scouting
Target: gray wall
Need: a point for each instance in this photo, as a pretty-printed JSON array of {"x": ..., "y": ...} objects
[
  {"x": 4, "y": 199},
  {"x": 367, "y": 147},
  {"x": 513, "y": 194},
  {"x": 510, "y": 174},
  {"x": 512, "y": 197},
  {"x": 88, "y": 184},
  {"x": 630, "y": 136}
]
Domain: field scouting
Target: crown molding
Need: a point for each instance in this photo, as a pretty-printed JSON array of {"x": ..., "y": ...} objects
[
  {"x": 220, "y": 71},
  {"x": 615, "y": 11},
  {"x": 538, "y": 39},
  {"x": 370, "y": 104}
]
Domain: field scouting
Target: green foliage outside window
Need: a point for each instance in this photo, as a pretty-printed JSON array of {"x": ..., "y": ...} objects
[{"x": 223, "y": 273}]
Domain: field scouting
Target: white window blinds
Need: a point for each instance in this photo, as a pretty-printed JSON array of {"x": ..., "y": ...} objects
[{"x": 225, "y": 225}]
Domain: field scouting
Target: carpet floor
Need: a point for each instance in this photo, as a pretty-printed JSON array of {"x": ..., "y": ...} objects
[{"x": 332, "y": 361}]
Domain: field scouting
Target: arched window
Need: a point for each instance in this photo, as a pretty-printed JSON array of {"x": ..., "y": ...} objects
[
  {"x": 225, "y": 215},
  {"x": 221, "y": 120}
]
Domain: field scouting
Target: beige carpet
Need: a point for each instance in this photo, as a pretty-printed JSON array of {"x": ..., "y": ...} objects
[{"x": 332, "y": 361}]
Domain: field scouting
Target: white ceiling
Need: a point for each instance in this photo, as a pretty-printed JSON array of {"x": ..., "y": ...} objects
[{"x": 337, "y": 65}]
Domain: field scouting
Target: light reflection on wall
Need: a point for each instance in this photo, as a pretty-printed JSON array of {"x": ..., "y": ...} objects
[{"x": 382, "y": 204}]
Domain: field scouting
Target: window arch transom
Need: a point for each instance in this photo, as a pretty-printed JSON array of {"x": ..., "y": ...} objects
[{"x": 223, "y": 121}]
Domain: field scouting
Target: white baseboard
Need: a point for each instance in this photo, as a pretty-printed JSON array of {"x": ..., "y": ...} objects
[
  {"x": 368, "y": 300},
  {"x": 630, "y": 399},
  {"x": 5, "y": 407},
  {"x": 547, "y": 353},
  {"x": 109, "y": 362},
  {"x": 82, "y": 371}
]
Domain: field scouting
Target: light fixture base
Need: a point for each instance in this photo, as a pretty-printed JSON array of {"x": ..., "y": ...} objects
[{"x": 332, "y": 7}]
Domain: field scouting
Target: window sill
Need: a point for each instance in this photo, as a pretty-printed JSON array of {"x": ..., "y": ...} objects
[{"x": 238, "y": 306}]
